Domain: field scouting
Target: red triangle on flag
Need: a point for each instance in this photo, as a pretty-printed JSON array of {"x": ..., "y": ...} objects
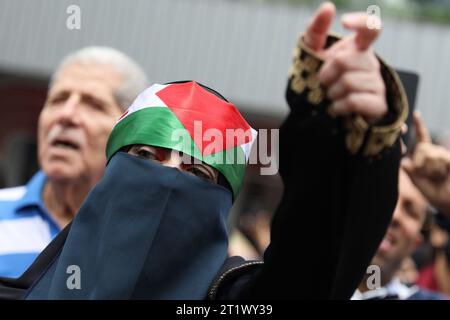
[{"x": 190, "y": 102}]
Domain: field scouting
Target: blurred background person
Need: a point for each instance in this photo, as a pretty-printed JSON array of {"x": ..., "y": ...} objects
[
  {"x": 87, "y": 94},
  {"x": 424, "y": 179},
  {"x": 402, "y": 238}
]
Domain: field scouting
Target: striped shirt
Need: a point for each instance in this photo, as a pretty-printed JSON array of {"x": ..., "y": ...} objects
[{"x": 25, "y": 226}]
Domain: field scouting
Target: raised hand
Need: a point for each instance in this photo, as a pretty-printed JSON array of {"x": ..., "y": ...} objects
[
  {"x": 429, "y": 168},
  {"x": 351, "y": 71}
]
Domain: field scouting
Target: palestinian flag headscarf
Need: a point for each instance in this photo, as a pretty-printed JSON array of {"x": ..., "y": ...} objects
[{"x": 191, "y": 118}]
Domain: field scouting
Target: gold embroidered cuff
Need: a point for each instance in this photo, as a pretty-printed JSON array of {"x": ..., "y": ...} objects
[
  {"x": 372, "y": 140},
  {"x": 304, "y": 74},
  {"x": 383, "y": 136}
]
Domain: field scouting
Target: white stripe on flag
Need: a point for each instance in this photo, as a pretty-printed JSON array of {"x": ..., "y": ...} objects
[
  {"x": 247, "y": 147},
  {"x": 148, "y": 98}
]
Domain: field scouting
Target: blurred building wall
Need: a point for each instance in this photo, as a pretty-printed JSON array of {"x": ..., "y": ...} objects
[{"x": 241, "y": 48}]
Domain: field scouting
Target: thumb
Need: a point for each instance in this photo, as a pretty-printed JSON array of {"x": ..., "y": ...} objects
[{"x": 316, "y": 33}]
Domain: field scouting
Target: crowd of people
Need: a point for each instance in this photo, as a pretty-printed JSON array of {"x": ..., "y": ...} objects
[{"x": 152, "y": 214}]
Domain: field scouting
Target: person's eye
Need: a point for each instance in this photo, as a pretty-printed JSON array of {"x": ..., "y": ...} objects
[
  {"x": 411, "y": 210},
  {"x": 143, "y": 153},
  {"x": 146, "y": 154},
  {"x": 58, "y": 98},
  {"x": 97, "y": 106},
  {"x": 94, "y": 103},
  {"x": 200, "y": 173}
]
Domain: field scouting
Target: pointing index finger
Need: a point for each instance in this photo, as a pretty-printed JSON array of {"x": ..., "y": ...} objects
[{"x": 367, "y": 28}]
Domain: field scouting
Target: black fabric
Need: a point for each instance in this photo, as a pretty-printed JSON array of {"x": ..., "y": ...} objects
[
  {"x": 232, "y": 281},
  {"x": 335, "y": 210}
]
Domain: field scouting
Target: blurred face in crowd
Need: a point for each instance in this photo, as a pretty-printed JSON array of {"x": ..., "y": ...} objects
[
  {"x": 174, "y": 159},
  {"x": 403, "y": 234},
  {"x": 76, "y": 120}
]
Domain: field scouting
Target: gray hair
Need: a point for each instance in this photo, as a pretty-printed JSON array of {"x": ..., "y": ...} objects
[{"x": 134, "y": 78}]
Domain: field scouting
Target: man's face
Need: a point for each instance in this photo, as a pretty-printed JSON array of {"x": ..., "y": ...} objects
[
  {"x": 76, "y": 120},
  {"x": 403, "y": 234}
]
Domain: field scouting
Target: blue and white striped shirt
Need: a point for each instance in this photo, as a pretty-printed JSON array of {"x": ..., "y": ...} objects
[{"x": 25, "y": 226}]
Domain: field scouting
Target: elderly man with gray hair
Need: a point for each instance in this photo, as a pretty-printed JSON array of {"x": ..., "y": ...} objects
[{"x": 87, "y": 94}]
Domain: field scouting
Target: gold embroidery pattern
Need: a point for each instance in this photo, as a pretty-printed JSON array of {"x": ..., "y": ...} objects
[
  {"x": 303, "y": 73},
  {"x": 298, "y": 84},
  {"x": 381, "y": 137},
  {"x": 311, "y": 64},
  {"x": 356, "y": 129},
  {"x": 315, "y": 96},
  {"x": 312, "y": 81}
]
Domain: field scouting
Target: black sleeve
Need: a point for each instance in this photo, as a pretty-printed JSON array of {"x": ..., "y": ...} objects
[{"x": 340, "y": 178}]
